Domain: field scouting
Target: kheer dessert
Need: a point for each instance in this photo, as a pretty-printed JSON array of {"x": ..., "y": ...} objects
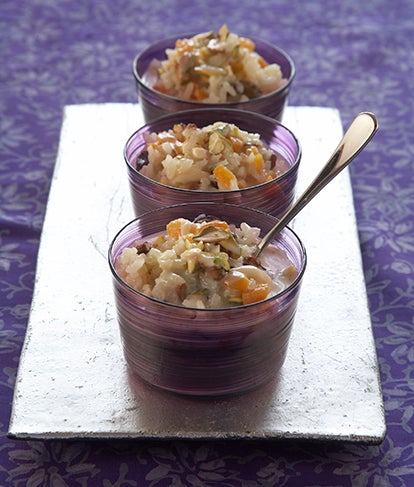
[
  {"x": 206, "y": 263},
  {"x": 219, "y": 156},
  {"x": 197, "y": 314},
  {"x": 215, "y": 68}
]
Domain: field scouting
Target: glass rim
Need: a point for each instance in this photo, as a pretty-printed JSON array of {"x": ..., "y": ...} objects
[{"x": 286, "y": 290}]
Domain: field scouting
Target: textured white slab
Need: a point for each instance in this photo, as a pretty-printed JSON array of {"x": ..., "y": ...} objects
[{"x": 72, "y": 380}]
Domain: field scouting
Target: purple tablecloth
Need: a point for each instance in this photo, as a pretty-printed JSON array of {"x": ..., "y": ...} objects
[{"x": 351, "y": 55}]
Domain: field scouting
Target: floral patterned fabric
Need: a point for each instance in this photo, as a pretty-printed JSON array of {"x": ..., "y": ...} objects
[{"x": 351, "y": 55}]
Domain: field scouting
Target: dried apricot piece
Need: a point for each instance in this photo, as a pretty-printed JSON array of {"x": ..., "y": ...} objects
[
  {"x": 226, "y": 180},
  {"x": 259, "y": 293}
]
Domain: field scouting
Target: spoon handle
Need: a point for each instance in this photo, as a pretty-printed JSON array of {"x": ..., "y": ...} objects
[{"x": 359, "y": 133}]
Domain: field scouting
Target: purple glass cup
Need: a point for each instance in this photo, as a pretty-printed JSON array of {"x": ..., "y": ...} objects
[
  {"x": 205, "y": 352},
  {"x": 273, "y": 197},
  {"x": 155, "y": 104}
]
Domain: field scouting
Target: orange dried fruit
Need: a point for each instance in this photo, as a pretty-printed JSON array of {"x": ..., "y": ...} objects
[
  {"x": 259, "y": 293},
  {"x": 226, "y": 180}
]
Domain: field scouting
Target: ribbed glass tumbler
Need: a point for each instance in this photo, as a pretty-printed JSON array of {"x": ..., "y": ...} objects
[{"x": 205, "y": 352}]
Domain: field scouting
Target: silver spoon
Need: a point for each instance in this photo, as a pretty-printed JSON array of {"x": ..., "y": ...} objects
[{"x": 359, "y": 133}]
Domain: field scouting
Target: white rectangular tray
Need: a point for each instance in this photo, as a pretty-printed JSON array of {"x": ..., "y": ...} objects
[{"x": 72, "y": 380}]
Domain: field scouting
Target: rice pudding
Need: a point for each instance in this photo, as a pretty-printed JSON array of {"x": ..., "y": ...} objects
[
  {"x": 206, "y": 263},
  {"x": 217, "y": 157},
  {"x": 215, "y": 68}
]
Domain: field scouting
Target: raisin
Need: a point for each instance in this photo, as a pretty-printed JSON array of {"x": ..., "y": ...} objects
[
  {"x": 143, "y": 247},
  {"x": 142, "y": 160}
]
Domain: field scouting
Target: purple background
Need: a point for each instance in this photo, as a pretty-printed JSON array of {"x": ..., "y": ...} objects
[{"x": 351, "y": 55}]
